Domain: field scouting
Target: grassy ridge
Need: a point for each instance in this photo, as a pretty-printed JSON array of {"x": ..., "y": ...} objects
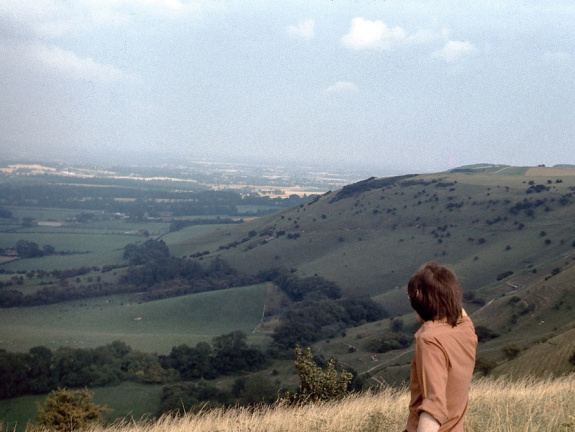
[
  {"x": 148, "y": 327},
  {"x": 371, "y": 242},
  {"x": 496, "y": 406}
]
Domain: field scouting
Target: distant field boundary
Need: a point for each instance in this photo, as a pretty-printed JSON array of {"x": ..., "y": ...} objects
[{"x": 550, "y": 171}]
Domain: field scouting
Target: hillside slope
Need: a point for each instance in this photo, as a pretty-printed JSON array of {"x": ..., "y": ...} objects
[
  {"x": 508, "y": 232},
  {"x": 372, "y": 235}
]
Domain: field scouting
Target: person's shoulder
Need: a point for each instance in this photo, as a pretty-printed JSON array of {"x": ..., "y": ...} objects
[
  {"x": 431, "y": 330},
  {"x": 466, "y": 323}
]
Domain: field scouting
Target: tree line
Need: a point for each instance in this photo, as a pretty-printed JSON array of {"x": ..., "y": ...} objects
[{"x": 41, "y": 370}]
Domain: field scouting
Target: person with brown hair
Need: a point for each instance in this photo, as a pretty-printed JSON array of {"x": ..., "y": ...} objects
[{"x": 444, "y": 357}]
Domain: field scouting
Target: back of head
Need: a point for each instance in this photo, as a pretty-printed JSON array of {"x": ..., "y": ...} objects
[{"x": 435, "y": 294}]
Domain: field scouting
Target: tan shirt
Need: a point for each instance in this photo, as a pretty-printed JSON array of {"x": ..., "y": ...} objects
[{"x": 441, "y": 372}]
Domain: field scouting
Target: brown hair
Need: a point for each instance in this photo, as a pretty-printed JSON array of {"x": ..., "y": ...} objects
[{"x": 435, "y": 294}]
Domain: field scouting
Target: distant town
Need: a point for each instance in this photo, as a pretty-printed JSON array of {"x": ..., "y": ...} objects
[{"x": 264, "y": 179}]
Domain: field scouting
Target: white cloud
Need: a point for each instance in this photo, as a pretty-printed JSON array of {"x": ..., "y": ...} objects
[
  {"x": 304, "y": 30},
  {"x": 454, "y": 50},
  {"x": 366, "y": 34},
  {"x": 63, "y": 63},
  {"x": 341, "y": 87}
]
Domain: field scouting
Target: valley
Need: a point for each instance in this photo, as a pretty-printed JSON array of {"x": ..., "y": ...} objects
[{"x": 506, "y": 231}]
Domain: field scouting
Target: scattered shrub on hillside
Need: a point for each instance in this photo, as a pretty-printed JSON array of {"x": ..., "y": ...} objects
[
  {"x": 572, "y": 358},
  {"x": 316, "y": 384},
  {"x": 511, "y": 351},
  {"x": 484, "y": 366},
  {"x": 537, "y": 188},
  {"x": 396, "y": 325}
]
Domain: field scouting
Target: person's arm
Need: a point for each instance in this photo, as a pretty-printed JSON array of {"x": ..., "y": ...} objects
[{"x": 427, "y": 423}]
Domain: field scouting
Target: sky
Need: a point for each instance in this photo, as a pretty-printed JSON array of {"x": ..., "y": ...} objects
[{"x": 395, "y": 86}]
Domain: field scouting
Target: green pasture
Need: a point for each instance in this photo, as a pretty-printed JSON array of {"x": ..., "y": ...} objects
[
  {"x": 62, "y": 262},
  {"x": 150, "y": 327},
  {"x": 127, "y": 401},
  {"x": 173, "y": 238}
]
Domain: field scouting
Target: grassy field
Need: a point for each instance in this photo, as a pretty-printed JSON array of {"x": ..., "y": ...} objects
[
  {"x": 150, "y": 327},
  {"x": 495, "y": 406},
  {"x": 95, "y": 243}
]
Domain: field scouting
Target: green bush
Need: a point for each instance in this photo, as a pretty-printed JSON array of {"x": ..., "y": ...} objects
[
  {"x": 68, "y": 410},
  {"x": 317, "y": 384}
]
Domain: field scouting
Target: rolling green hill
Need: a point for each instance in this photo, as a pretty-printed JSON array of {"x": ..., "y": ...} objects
[
  {"x": 372, "y": 235},
  {"x": 508, "y": 232}
]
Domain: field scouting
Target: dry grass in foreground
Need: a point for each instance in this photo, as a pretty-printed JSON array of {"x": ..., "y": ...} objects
[{"x": 528, "y": 405}]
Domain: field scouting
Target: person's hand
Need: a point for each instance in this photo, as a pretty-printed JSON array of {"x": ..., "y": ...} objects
[{"x": 427, "y": 423}]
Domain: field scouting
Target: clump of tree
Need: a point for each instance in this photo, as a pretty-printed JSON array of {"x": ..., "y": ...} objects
[
  {"x": 148, "y": 251},
  {"x": 318, "y": 312},
  {"x": 388, "y": 341},
  {"x": 298, "y": 289},
  {"x": 171, "y": 277},
  {"x": 228, "y": 354},
  {"x": 28, "y": 249},
  {"x": 41, "y": 370},
  {"x": 317, "y": 384},
  {"x": 309, "y": 321}
]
